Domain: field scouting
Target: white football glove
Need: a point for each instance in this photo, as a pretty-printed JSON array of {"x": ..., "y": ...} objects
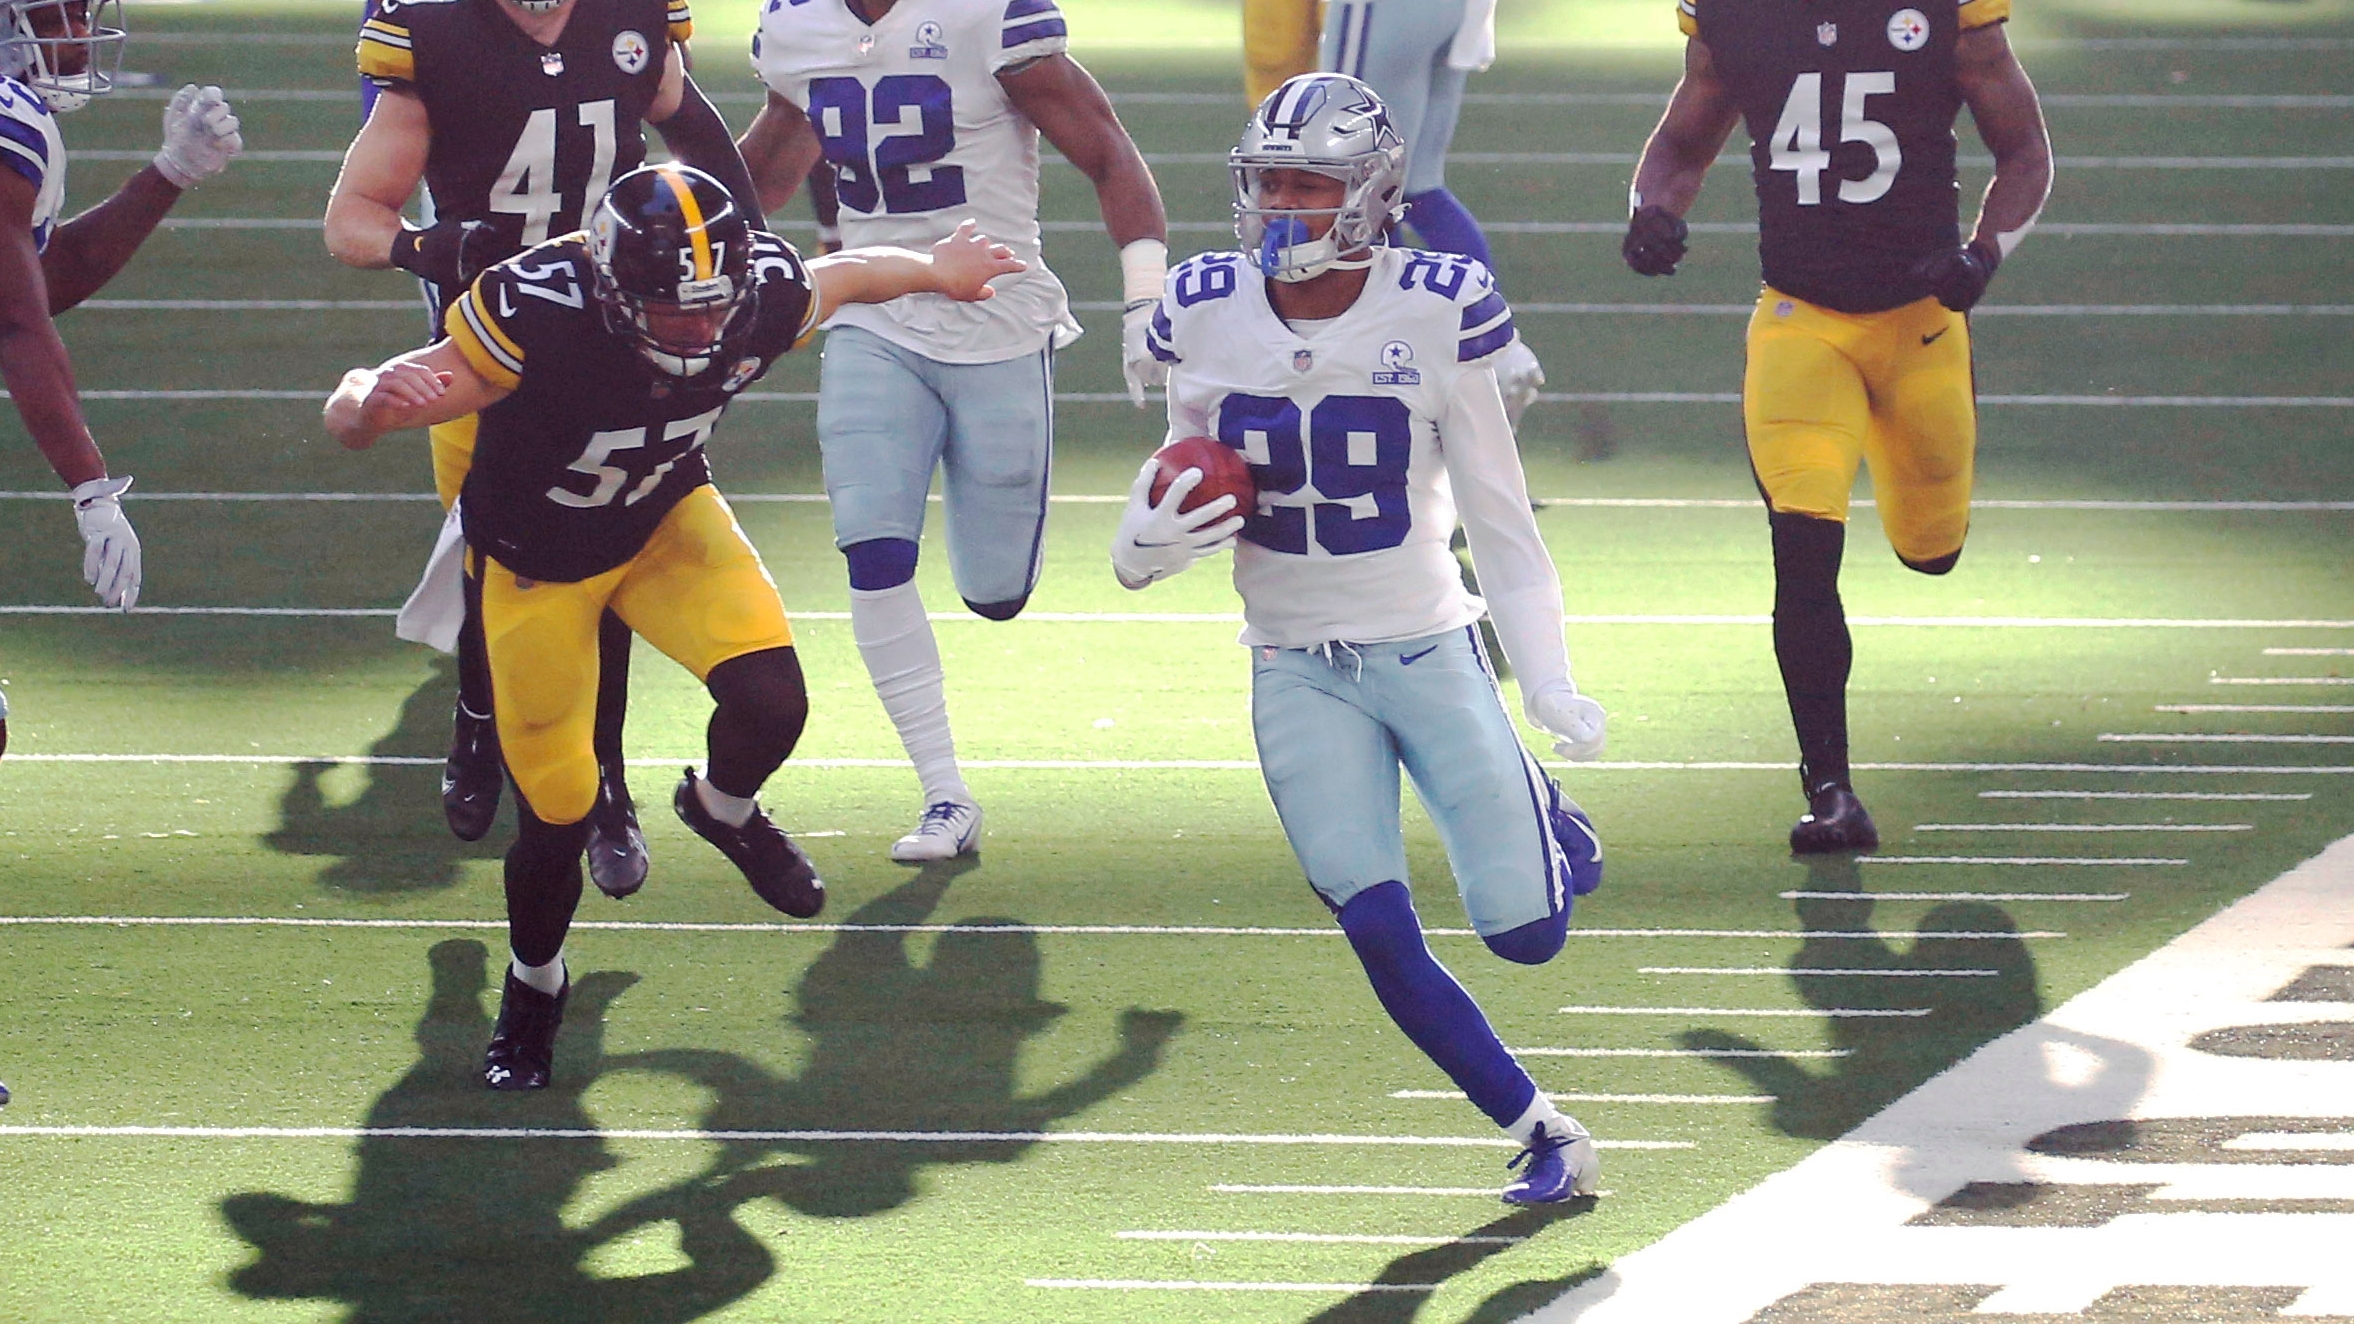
[
  {"x": 1155, "y": 542},
  {"x": 1576, "y": 721},
  {"x": 1136, "y": 358},
  {"x": 199, "y": 136},
  {"x": 110, "y": 551}
]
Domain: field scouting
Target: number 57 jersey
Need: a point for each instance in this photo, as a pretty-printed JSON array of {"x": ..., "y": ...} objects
[
  {"x": 920, "y": 136},
  {"x": 1345, "y": 425}
]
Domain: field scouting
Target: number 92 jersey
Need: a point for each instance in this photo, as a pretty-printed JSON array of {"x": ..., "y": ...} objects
[
  {"x": 593, "y": 446},
  {"x": 920, "y": 137},
  {"x": 30, "y": 145},
  {"x": 1343, "y": 425},
  {"x": 1850, "y": 106}
]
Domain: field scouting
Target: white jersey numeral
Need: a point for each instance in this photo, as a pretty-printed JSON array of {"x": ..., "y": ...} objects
[
  {"x": 592, "y": 462},
  {"x": 527, "y": 186},
  {"x": 1797, "y": 144}
]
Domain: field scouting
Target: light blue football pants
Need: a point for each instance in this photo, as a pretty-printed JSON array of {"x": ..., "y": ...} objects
[
  {"x": 1399, "y": 48},
  {"x": 888, "y": 416},
  {"x": 1335, "y": 723}
]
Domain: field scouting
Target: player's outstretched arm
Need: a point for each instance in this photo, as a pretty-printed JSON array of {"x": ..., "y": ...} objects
[
  {"x": 1700, "y": 116},
  {"x": 418, "y": 389},
  {"x": 960, "y": 266},
  {"x": 33, "y": 361},
  {"x": 779, "y": 149},
  {"x": 200, "y": 135},
  {"x": 2010, "y": 121}
]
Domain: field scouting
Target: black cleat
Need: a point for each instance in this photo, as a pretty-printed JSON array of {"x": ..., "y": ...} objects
[
  {"x": 616, "y": 845},
  {"x": 471, "y": 778},
  {"x": 1835, "y": 822},
  {"x": 522, "y": 1052},
  {"x": 775, "y": 867}
]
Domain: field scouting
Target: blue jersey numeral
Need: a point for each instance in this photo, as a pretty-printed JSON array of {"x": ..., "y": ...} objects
[
  {"x": 1337, "y": 423},
  {"x": 1440, "y": 273},
  {"x": 877, "y": 172}
]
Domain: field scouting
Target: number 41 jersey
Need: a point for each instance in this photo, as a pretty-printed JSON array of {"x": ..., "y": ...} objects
[
  {"x": 920, "y": 136},
  {"x": 1344, "y": 425}
]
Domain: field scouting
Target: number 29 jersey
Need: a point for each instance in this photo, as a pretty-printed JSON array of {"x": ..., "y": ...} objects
[
  {"x": 1343, "y": 427},
  {"x": 1850, "y": 107},
  {"x": 577, "y": 465},
  {"x": 920, "y": 136}
]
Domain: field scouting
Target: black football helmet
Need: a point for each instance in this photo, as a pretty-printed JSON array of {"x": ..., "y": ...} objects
[{"x": 673, "y": 257}]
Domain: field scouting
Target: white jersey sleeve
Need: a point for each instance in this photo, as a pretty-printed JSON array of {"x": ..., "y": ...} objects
[
  {"x": 1348, "y": 430},
  {"x": 30, "y": 145},
  {"x": 909, "y": 113}
]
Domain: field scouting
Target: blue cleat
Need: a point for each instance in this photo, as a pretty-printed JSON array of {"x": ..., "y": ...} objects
[
  {"x": 1559, "y": 1167},
  {"x": 1578, "y": 841}
]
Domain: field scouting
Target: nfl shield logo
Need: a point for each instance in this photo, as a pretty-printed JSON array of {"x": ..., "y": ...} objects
[
  {"x": 1302, "y": 360},
  {"x": 1827, "y": 34}
]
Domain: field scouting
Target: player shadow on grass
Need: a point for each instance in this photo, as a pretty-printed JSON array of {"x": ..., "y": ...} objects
[
  {"x": 471, "y": 1229},
  {"x": 1388, "y": 1303},
  {"x": 391, "y": 838},
  {"x": 1886, "y": 1055},
  {"x": 898, "y": 1047}
]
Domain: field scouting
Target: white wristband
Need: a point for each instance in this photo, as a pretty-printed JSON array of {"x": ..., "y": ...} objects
[{"x": 1144, "y": 268}]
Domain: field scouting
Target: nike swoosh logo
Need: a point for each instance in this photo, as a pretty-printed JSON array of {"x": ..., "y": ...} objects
[
  {"x": 507, "y": 309},
  {"x": 1409, "y": 659},
  {"x": 1931, "y": 340}
]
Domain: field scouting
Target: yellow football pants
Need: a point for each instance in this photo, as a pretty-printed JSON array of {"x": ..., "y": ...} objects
[
  {"x": 1279, "y": 40},
  {"x": 697, "y": 591},
  {"x": 1826, "y": 390},
  {"x": 453, "y": 455}
]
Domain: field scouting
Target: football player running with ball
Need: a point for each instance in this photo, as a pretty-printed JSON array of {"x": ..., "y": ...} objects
[
  {"x": 929, "y": 112},
  {"x": 1859, "y": 350},
  {"x": 1359, "y": 382},
  {"x": 600, "y": 364},
  {"x": 516, "y": 115}
]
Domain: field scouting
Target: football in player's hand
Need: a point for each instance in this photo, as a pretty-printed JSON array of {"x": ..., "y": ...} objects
[{"x": 1224, "y": 473}]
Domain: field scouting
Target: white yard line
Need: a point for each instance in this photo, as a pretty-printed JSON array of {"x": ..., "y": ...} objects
[
  {"x": 736, "y": 1137},
  {"x": 1574, "y": 397},
  {"x": 1613, "y": 229},
  {"x": 2020, "y": 861},
  {"x": 2005, "y": 897},
  {"x": 2280, "y": 680},
  {"x": 1237, "y": 1188},
  {"x": 1807, "y": 1013},
  {"x": 2069, "y": 100},
  {"x": 1533, "y": 307},
  {"x": 2145, "y": 795},
  {"x": 334, "y": 156},
  {"x": 1113, "y": 499},
  {"x": 2253, "y": 708},
  {"x": 2225, "y": 738},
  {"x": 1799, "y": 971},
  {"x": 1688, "y": 1100},
  {"x": 1189, "y": 1285},
  {"x": 2309, "y": 652},
  {"x": 1321, "y": 1238},
  {"x": 1683, "y": 1052},
  {"x": 2085, "y": 827}
]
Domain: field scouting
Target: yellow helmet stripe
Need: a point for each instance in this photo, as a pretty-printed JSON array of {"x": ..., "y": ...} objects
[{"x": 693, "y": 212}]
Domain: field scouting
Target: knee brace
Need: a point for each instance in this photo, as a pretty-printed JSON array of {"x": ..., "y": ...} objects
[
  {"x": 880, "y": 563},
  {"x": 1533, "y": 943}
]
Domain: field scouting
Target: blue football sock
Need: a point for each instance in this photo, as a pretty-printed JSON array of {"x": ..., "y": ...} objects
[
  {"x": 1445, "y": 224},
  {"x": 1430, "y": 1006}
]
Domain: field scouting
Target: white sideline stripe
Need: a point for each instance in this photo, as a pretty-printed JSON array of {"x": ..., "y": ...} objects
[
  {"x": 1794, "y": 970},
  {"x": 2280, "y": 680},
  {"x": 2145, "y": 795},
  {"x": 687, "y": 926},
  {"x": 1811, "y": 1013},
  {"x": 2182, "y": 738},
  {"x": 2309, "y": 652},
  {"x": 2006, "y": 860},
  {"x": 1691, "y": 1100},
  {"x": 1948, "y": 896},
  {"x": 1323, "y": 1238},
  {"x": 2253, "y": 708},
  {"x": 1682, "y": 1052},
  {"x": 1157, "y": 1285},
  {"x": 736, "y": 1137},
  {"x": 1614, "y": 229},
  {"x": 2085, "y": 827},
  {"x": 1114, "y": 499}
]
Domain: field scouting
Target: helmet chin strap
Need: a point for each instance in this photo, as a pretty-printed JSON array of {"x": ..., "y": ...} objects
[{"x": 1289, "y": 256}]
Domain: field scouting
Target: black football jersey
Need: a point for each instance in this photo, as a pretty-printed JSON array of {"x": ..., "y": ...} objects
[
  {"x": 1850, "y": 106},
  {"x": 574, "y": 469},
  {"x": 525, "y": 136}
]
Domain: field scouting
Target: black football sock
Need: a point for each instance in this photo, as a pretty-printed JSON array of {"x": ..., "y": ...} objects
[
  {"x": 613, "y": 644},
  {"x": 543, "y": 884},
  {"x": 473, "y": 655},
  {"x": 1811, "y": 642},
  {"x": 763, "y": 704}
]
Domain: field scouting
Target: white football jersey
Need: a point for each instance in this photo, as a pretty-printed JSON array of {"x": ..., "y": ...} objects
[
  {"x": 920, "y": 135},
  {"x": 1340, "y": 423},
  {"x": 30, "y": 145}
]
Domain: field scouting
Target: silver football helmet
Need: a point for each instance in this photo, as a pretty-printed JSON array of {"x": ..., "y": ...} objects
[
  {"x": 67, "y": 50},
  {"x": 1332, "y": 125}
]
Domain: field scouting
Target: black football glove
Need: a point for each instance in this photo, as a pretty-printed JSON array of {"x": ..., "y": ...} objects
[
  {"x": 452, "y": 253},
  {"x": 1655, "y": 241},
  {"x": 1958, "y": 276}
]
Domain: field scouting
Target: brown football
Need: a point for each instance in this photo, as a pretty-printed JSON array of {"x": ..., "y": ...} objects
[{"x": 1224, "y": 473}]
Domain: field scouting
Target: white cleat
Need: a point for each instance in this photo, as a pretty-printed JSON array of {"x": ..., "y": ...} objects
[
  {"x": 949, "y": 828},
  {"x": 1518, "y": 376}
]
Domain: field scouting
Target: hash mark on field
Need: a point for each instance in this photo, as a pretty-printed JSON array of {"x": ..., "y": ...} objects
[
  {"x": 2147, "y": 795},
  {"x": 1694, "y": 1100},
  {"x": 1682, "y": 1052},
  {"x": 2085, "y": 827},
  {"x": 1324, "y": 1238},
  {"x": 1150, "y": 1285},
  {"x": 1956, "y": 896},
  {"x": 1795, "y": 970},
  {"x": 1811, "y": 1013}
]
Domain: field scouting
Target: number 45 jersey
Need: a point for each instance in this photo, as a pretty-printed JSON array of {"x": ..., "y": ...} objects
[
  {"x": 1345, "y": 426},
  {"x": 920, "y": 136}
]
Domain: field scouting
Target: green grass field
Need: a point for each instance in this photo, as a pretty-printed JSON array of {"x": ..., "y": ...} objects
[{"x": 277, "y": 771}]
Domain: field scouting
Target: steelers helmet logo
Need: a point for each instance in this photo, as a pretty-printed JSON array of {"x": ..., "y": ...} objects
[
  {"x": 630, "y": 51},
  {"x": 1908, "y": 30}
]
